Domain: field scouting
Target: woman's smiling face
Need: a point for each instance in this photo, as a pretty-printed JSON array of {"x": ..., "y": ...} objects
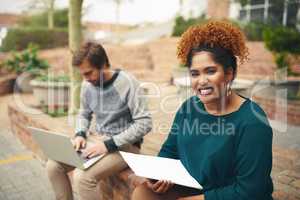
[{"x": 208, "y": 77}]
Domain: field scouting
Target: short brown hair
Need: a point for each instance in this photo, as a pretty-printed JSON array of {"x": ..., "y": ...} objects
[{"x": 94, "y": 53}]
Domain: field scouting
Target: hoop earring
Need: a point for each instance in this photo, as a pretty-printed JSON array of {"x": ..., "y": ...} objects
[{"x": 228, "y": 89}]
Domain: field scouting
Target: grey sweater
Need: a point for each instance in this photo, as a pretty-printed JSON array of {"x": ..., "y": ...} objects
[{"x": 120, "y": 109}]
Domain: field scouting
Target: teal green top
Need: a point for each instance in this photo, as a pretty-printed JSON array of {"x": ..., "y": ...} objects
[{"x": 229, "y": 155}]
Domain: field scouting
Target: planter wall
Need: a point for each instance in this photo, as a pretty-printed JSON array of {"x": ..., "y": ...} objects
[
  {"x": 23, "y": 82},
  {"x": 288, "y": 89},
  {"x": 51, "y": 94}
]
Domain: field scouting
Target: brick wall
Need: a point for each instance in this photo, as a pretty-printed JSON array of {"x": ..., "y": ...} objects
[
  {"x": 158, "y": 57},
  {"x": 7, "y": 79},
  {"x": 276, "y": 111},
  {"x": 6, "y": 83},
  {"x": 163, "y": 53},
  {"x": 118, "y": 187},
  {"x": 19, "y": 122},
  {"x": 259, "y": 66},
  {"x": 135, "y": 59},
  {"x": 7, "y": 19}
]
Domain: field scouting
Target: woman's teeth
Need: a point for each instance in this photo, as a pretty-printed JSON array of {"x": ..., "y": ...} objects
[{"x": 206, "y": 91}]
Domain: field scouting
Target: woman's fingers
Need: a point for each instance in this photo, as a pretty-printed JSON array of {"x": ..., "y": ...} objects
[
  {"x": 156, "y": 185},
  {"x": 162, "y": 188},
  {"x": 149, "y": 184},
  {"x": 170, "y": 185}
]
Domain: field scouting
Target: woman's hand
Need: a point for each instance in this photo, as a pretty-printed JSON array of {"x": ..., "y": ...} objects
[{"x": 160, "y": 187}]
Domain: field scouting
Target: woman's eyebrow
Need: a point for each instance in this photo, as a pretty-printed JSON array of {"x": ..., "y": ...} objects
[
  {"x": 194, "y": 70},
  {"x": 211, "y": 66},
  {"x": 88, "y": 72},
  {"x": 204, "y": 68}
]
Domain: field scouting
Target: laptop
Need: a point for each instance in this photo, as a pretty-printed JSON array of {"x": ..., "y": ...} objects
[{"x": 59, "y": 147}]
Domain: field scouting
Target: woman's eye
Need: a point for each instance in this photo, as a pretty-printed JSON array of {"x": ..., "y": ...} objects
[
  {"x": 194, "y": 74},
  {"x": 211, "y": 71}
]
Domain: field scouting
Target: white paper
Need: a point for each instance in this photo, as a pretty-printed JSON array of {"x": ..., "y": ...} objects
[{"x": 159, "y": 168}]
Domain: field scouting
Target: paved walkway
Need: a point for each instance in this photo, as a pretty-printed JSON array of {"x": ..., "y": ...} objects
[
  {"x": 286, "y": 161},
  {"x": 21, "y": 176}
]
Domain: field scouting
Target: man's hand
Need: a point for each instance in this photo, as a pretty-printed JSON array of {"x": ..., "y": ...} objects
[
  {"x": 79, "y": 142},
  {"x": 98, "y": 149},
  {"x": 160, "y": 187}
]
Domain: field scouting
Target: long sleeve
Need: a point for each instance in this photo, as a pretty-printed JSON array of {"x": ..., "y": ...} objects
[
  {"x": 253, "y": 166},
  {"x": 169, "y": 148},
  {"x": 84, "y": 116},
  {"x": 141, "y": 117}
]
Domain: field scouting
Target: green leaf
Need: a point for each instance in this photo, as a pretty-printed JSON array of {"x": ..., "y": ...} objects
[{"x": 27, "y": 61}]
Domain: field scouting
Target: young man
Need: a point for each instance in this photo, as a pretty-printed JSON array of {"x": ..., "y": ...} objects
[{"x": 122, "y": 119}]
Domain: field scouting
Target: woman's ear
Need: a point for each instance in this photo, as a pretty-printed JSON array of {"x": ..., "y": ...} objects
[{"x": 229, "y": 74}]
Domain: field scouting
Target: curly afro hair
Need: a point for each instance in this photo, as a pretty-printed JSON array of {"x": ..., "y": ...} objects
[{"x": 214, "y": 34}]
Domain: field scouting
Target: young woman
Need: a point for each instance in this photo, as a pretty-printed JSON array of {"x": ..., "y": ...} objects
[{"x": 223, "y": 139}]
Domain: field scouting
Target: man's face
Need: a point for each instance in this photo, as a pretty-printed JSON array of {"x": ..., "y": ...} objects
[{"x": 89, "y": 73}]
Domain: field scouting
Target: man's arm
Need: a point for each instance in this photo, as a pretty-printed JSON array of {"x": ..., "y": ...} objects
[
  {"x": 85, "y": 113},
  {"x": 142, "y": 122}
]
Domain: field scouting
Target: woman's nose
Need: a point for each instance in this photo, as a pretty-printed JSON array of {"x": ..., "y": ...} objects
[{"x": 202, "y": 80}]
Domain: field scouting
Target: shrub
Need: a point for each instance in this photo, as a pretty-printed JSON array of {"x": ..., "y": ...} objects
[
  {"x": 27, "y": 61},
  {"x": 281, "y": 60},
  {"x": 20, "y": 38},
  {"x": 254, "y": 30},
  {"x": 52, "y": 78},
  {"x": 57, "y": 112},
  {"x": 283, "y": 42},
  {"x": 282, "y": 39},
  {"x": 41, "y": 19},
  {"x": 182, "y": 24}
]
